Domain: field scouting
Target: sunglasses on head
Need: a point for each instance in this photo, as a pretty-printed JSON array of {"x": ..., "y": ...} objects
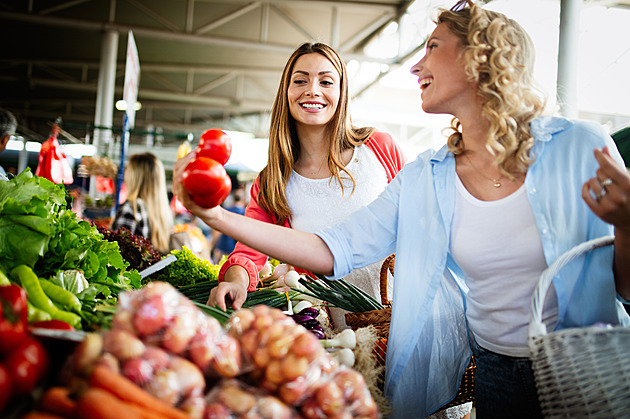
[{"x": 460, "y": 5}]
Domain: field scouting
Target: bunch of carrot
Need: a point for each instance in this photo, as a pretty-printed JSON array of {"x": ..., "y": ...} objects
[{"x": 108, "y": 395}]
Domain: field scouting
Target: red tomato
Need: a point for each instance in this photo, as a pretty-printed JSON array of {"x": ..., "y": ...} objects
[
  {"x": 207, "y": 182},
  {"x": 216, "y": 145},
  {"x": 53, "y": 324},
  {"x": 27, "y": 365},
  {"x": 5, "y": 387},
  {"x": 13, "y": 313}
]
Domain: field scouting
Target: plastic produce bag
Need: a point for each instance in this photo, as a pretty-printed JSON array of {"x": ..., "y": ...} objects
[
  {"x": 161, "y": 316},
  {"x": 288, "y": 361},
  {"x": 233, "y": 399},
  {"x": 52, "y": 163}
]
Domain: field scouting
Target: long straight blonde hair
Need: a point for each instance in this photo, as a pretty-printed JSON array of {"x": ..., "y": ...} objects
[
  {"x": 145, "y": 179},
  {"x": 284, "y": 145}
]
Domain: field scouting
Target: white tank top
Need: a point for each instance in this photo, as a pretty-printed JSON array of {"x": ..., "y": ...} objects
[
  {"x": 319, "y": 203},
  {"x": 497, "y": 245}
]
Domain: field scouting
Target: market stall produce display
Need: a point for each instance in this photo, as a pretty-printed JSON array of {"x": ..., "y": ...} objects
[
  {"x": 67, "y": 268},
  {"x": 96, "y": 339},
  {"x": 161, "y": 347}
]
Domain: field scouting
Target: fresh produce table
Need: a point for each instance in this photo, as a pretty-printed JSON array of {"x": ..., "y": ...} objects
[
  {"x": 109, "y": 343},
  {"x": 165, "y": 358}
]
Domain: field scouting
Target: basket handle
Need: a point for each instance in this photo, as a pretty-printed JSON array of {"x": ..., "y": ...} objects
[
  {"x": 388, "y": 263},
  {"x": 536, "y": 326}
]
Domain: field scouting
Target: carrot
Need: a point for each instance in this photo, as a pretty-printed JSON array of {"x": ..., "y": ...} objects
[
  {"x": 126, "y": 390},
  {"x": 57, "y": 400},
  {"x": 41, "y": 415},
  {"x": 96, "y": 403}
]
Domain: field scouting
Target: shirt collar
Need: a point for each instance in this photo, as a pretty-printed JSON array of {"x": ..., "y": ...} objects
[
  {"x": 440, "y": 155},
  {"x": 542, "y": 129}
]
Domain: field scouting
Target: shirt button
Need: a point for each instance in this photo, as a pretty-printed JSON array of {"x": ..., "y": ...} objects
[
  {"x": 545, "y": 231},
  {"x": 532, "y": 191}
]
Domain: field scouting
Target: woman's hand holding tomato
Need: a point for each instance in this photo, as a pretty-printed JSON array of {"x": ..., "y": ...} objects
[
  {"x": 202, "y": 174},
  {"x": 215, "y": 144},
  {"x": 206, "y": 181}
]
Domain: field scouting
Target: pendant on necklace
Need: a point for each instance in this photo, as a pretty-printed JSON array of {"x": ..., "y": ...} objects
[{"x": 497, "y": 184}]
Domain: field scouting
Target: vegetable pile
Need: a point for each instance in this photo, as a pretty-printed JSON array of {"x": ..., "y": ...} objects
[
  {"x": 136, "y": 250},
  {"x": 338, "y": 293},
  {"x": 205, "y": 177},
  {"x": 42, "y": 238},
  {"x": 188, "y": 269},
  {"x": 161, "y": 347}
]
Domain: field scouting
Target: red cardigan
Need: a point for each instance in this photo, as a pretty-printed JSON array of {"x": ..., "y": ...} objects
[{"x": 387, "y": 152}]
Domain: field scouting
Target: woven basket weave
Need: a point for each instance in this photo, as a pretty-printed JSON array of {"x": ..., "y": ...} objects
[
  {"x": 380, "y": 319},
  {"x": 579, "y": 372}
]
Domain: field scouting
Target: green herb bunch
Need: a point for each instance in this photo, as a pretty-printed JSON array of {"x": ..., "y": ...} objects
[{"x": 188, "y": 269}]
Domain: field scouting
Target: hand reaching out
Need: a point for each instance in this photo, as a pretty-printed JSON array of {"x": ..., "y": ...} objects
[
  {"x": 206, "y": 214},
  {"x": 608, "y": 193}
]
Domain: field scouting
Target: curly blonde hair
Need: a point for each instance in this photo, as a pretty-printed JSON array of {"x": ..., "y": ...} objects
[
  {"x": 284, "y": 145},
  {"x": 499, "y": 55}
]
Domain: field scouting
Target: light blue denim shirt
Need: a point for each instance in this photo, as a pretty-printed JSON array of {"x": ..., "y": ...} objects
[{"x": 428, "y": 348}]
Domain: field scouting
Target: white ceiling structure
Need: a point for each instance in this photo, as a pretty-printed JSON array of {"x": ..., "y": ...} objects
[
  {"x": 209, "y": 63},
  {"x": 203, "y": 62}
]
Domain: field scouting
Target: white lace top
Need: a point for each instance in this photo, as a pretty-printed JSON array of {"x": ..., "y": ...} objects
[{"x": 319, "y": 203}]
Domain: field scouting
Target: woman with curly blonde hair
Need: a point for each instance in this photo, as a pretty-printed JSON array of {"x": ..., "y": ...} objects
[{"x": 475, "y": 224}]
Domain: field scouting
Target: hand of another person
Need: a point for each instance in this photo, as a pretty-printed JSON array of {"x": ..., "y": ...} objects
[
  {"x": 608, "y": 193},
  {"x": 232, "y": 291}
]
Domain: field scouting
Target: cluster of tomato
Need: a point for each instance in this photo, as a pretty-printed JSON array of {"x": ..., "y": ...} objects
[
  {"x": 24, "y": 359},
  {"x": 205, "y": 177}
]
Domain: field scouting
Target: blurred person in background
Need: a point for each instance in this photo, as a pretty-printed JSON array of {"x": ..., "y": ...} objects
[
  {"x": 222, "y": 244},
  {"x": 8, "y": 125},
  {"x": 146, "y": 211}
]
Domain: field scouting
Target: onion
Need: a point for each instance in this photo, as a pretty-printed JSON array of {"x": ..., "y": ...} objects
[
  {"x": 86, "y": 353},
  {"x": 344, "y": 356},
  {"x": 346, "y": 339},
  {"x": 236, "y": 399},
  {"x": 292, "y": 279},
  {"x": 123, "y": 345},
  {"x": 293, "y": 367},
  {"x": 330, "y": 398},
  {"x": 309, "y": 311},
  {"x": 304, "y": 304},
  {"x": 271, "y": 408},
  {"x": 137, "y": 370}
]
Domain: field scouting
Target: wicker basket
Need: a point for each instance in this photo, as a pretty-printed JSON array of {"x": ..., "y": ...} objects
[
  {"x": 381, "y": 320},
  {"x": 579, "y": 372}
]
